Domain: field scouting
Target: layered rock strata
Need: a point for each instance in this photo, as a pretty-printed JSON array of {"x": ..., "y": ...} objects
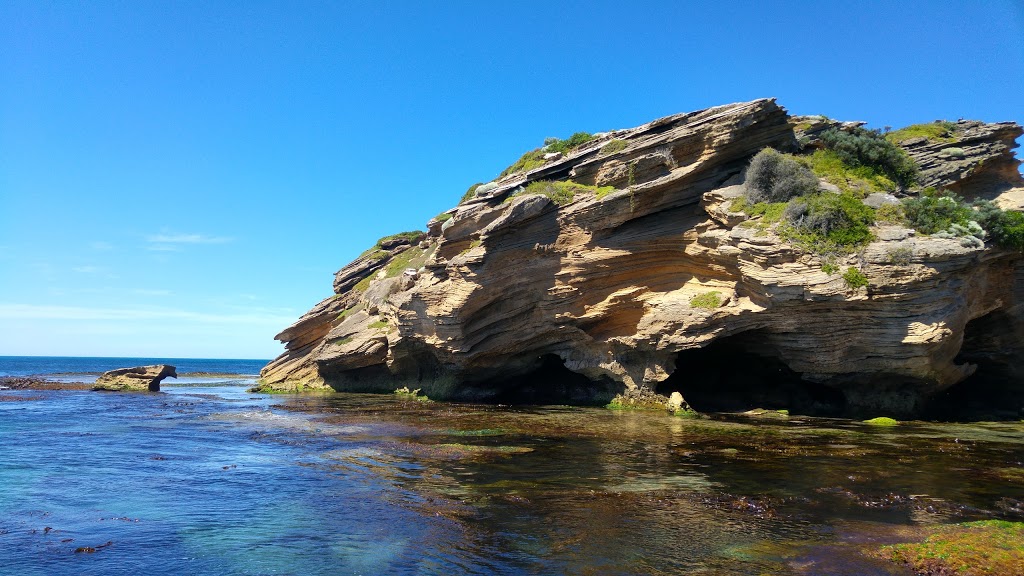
[
  {"x": 135, "y": 379},
  {"x": 509, "y": 290}
]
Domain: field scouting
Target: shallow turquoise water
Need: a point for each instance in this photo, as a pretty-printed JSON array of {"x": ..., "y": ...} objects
[{"x": 218, "y": 481}]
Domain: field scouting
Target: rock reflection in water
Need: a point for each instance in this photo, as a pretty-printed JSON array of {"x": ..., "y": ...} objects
[{"x": 584, "y": 490}]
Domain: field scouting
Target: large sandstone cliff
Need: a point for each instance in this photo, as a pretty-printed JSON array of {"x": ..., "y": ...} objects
[{"x": 593, "y": 297}]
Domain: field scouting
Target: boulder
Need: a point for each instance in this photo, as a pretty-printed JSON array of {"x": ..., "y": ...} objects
[{"x": 137, "y": 379}]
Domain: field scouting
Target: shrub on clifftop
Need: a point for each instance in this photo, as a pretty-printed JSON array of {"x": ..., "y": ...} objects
[
  {"x": 862, "y": 147},
  {"x": 775, "y": 177}
]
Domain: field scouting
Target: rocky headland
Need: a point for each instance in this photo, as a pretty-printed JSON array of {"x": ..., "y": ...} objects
[{"x": 636, "y": 263}]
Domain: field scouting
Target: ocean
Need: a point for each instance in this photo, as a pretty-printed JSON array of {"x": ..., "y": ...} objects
[
  {"x": 86, "y": 369},
  {"x": 206, "y": 478}
]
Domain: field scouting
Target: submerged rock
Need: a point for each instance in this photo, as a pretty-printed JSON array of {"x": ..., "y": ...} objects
[
  {"x": 600, "y": 291},
  {"x": 136, "y": 379}
]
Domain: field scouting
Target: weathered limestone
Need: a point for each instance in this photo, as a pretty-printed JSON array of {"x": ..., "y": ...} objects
[
  {"x": 603, "y": 286},
  {"x": 137, "y": 379}
]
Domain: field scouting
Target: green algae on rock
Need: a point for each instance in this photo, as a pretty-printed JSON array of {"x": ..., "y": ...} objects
[
  {"x": 985, "y": 547},
  {"x": 882, "y": 421}
]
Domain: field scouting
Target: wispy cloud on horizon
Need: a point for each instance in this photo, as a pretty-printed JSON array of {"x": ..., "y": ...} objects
[
  {"x": 173, "y": 242},
  {"x": 187, "y": 239},
  {"x": 253, "y": 316},
  {"x": 149, "y": 292}
]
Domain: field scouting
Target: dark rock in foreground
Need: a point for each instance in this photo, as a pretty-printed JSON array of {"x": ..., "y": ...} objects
[{"x": 137, "y": 379}]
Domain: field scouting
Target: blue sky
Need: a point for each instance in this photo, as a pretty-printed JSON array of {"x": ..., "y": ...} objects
[{"x": 182, "y": 179}]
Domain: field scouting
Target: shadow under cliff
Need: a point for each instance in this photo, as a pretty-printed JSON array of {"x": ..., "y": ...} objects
[{"x": 739, "y": 373}]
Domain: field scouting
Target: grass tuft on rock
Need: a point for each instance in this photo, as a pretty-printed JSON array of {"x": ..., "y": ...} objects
[
  {"x": 613, "y": 146},
  {"x": 707, "y": 300},
  {"x": 940, "y": 131},
  {"x": 561, "y": 192}
]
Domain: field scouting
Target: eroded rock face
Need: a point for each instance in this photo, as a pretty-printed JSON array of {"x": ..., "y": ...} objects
[
  {"x": 603, "y": 286},
  {"x": 136, "y": 379}
]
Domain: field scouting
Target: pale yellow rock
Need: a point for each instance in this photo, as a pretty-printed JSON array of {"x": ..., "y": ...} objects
[{"x": 605, "y": 284}]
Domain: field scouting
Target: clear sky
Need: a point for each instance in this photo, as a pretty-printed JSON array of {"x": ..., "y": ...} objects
[{"x": 182, "y": 179}]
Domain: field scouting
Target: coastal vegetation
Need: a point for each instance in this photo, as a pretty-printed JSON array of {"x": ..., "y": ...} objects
[
  {"x": 535, "y": 158},
  {"x": 860, "y": 147},
  {"x": 470, "y": 192},
  {"x": 784, "y": 189},
  {"x": 561, "y": 192},
  {"x": 939, "y": 131},
  {"x": 854, "y": 278},
  {"x": 613, "y": 146},
  {"x": 707, "y": 300}
]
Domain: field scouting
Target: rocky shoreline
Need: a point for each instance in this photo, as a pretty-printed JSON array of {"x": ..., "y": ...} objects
[{"x": 37, "y": 383}]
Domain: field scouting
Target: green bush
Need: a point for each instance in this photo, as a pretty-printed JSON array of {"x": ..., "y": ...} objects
[
  {"x": 471, "y": 192},
  {"x": 859, "y": 179},
  {"x": 934, "y": 211},
  {"x": 891, "y": 213},
  {"x": 410, "y": 236},
  {"x": 707, "y": 300},
  {"x": 563, "y": 146},
  {"x": 854, "y": 278},
  {"x": 529, "y": 161},
  {"x": 830, "y": 219},
  {"x": 1004, "y": 227},
  {"x": 776, "y": 177},
  {"x": 945, "y": 214},
  {"x": 862, "y": 147}
]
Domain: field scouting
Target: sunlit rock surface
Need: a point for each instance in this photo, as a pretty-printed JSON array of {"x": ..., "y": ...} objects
[{"x": 592, "y": 298}]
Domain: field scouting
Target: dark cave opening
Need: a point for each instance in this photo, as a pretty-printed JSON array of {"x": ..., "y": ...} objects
[
  {"x": 550, "y": 382},
  {"x": 741, "y": 372},
  {"x": 994, "y": 344}
]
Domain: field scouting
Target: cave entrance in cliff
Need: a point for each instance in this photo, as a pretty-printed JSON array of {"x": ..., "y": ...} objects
[
  {"x": 996, "y": 389},
  {"x": 550, "y": 382},
  {"x": 742, "y": 372}
]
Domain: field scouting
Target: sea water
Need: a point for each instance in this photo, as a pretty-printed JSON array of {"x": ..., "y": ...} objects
[{"x": 207, "y": 478}]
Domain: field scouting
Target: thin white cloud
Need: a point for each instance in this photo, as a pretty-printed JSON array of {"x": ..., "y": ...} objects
[
  {"x": 73, "y": 313},
  {"x": 100, "y": 245},
  {"x": 187, "y": 239},
  {"x": 145, "y": 292},
  {"x": 163, "y": 248},
  {"x": 86, "y": 269}
]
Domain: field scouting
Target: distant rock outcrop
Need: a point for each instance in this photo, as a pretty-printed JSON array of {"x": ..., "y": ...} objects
[
  {"x": 137, "y": 379},
  {"x": 644, "y": 279}
]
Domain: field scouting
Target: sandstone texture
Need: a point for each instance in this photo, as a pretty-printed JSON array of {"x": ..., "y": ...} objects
[
  {"x": 136, "y": 379},
  {"x": 592, "y": 297}
]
